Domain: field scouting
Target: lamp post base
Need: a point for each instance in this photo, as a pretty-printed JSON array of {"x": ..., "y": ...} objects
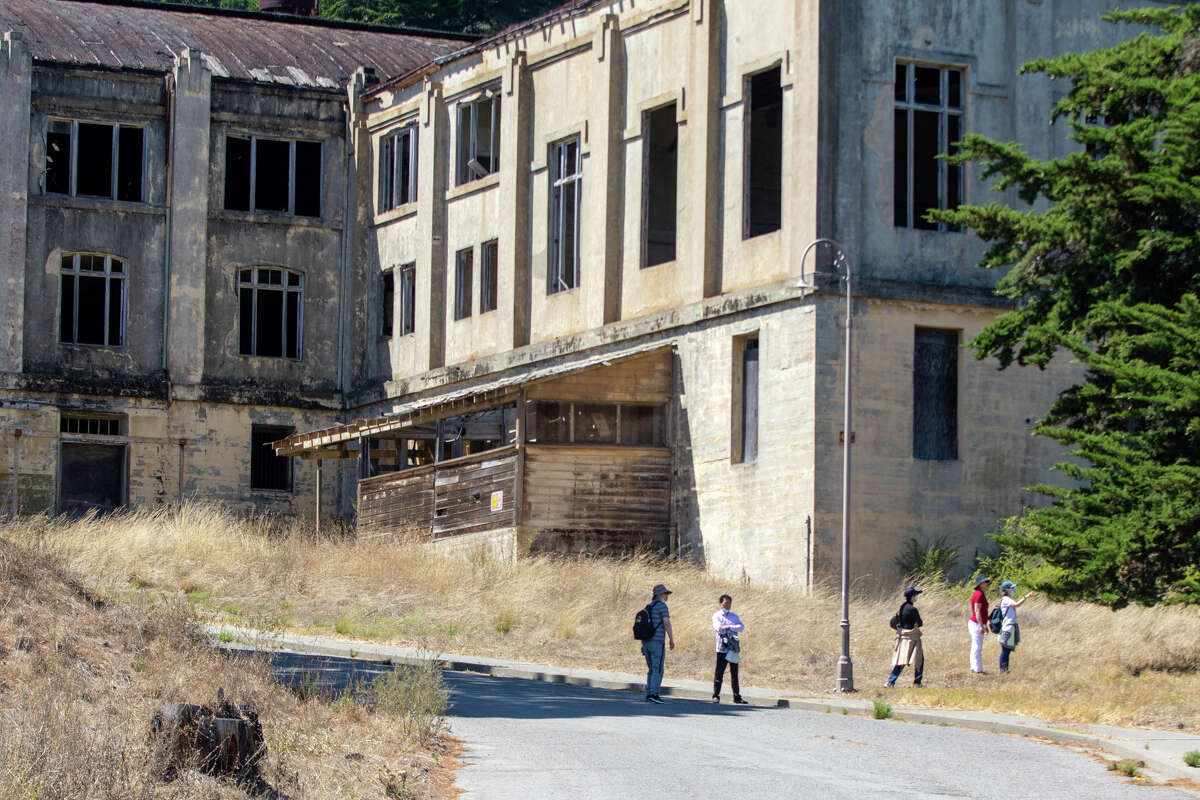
[{"x": 845, "y": 680}]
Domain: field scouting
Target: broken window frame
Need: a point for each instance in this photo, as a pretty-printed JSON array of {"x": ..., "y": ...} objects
[
  {"x": 758, "y": 217},
  {"x": 464, "y": 270},
  {"x": 569, "y": 413},
  {"x": 473, "y": 163},
  {"x": 270, "y": 472},
  {"x": 408, "y": 299},
  {"x": 55, "y": 126},
  {"x": 398, "y": 168},
  {"x": 658, "y": 241},
  {"x": 566, "y": 184},
  {"x": 252, "y": 201},
  {"x": 489, "y": 278},
  {"x": 291, "y": 329},
  {"x": 935, "y": 393},
  {"x": 387, "y": 291},
  {"x": 113, "y": 274},
  {"x": 950, "y": 110}
]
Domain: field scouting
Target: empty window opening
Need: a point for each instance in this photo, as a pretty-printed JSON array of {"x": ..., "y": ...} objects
[
  {"x": 478, "y": 137},
  {"x": 398, "y": 168},
  {"x": 562, "y": 422},
  {"x": 279, "y": 176},
  {"x": 928, "y": 122},
  {"x": 935, "y": 394},
  {"x": 566, "y": 180},
  {"x": 91, "y": 159},
  {"x": 744, "y": 444},
  {"x": 271, "y": 312},
  {"x": 90, "y": 425},
  {"x": 659, "y": 209},
  {"x": 478, "y": 431},
  {"x": 463, "y": 270},
  {"x": 92, "y": 308},
  {"x": 267, "y": 470},
  {"x": 388, "y": 301},
  {"x": 408, "y": 299},
  {"x": 489, "y": 276},
  {"x": 763, "y": 171}
]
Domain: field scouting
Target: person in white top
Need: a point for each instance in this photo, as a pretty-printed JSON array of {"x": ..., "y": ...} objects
[
  {"x": 1010, "y": 631},
  {"x": 727, "y": 626}
]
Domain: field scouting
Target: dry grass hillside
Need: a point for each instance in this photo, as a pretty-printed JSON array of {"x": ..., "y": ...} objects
[
  {"x": 1076, "y": 662},
  {"x": 82, "y": 671}
]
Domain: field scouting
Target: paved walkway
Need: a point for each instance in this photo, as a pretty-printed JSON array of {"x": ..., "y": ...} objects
[{"x": 1161, "y": 751}]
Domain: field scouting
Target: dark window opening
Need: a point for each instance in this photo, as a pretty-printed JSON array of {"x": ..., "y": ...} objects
[
  {"x": 478, "y": 138},
  {"x": 658, "y": 196},
  {"x": 90, "y": 425},
  {"x": 93, "y": 478},
  {"x": 566, "y": 178},
  {"x": 398, "y": 169},
  {"x": 562, "y": 422},
  {"x": 478, "y": 431},
  {"x": 91, "y": 159},
  {"x": 270, "y": 312},
  {"x": 408, "y": 299},
  {"x": 92, "y": 300},
  {"x": 463, "y": 269},
  {"x": 764, "y": 153},
  {"x": 548, "y": 421},
  {"x": 489, "y": 278},
  {"x": 595, "y": 423},
  {"x": 928, "y": 122},
  {"x": 280, "y": 176},
  {"x": 388, "y": 300},
  {"x": 935, "y": 394},
  {"x": 267, "y": 470},
  {"x": 643, "y": 425}
]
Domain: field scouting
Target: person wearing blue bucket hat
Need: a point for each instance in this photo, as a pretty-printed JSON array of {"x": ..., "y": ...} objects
[{"x": 1010, "y": 632}]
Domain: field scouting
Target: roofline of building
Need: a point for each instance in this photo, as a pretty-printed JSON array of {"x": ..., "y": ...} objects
[
  {"x": 572, "y": 9},
  {"x": 320, "y": 22}
]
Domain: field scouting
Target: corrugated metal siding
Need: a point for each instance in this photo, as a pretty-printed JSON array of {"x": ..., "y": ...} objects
[{"x": 263, "y": 49}]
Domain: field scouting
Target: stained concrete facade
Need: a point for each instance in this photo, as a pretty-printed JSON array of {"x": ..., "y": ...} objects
[{"x": 593, "y": 73}]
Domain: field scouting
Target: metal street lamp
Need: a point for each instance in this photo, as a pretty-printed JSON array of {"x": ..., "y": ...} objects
[{"x": 845, "y": 673}]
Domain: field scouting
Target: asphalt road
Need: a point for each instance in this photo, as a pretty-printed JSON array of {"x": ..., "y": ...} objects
[{"x": 526, "y": 739}]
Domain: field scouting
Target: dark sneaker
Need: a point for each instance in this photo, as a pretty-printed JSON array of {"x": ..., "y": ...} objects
[
  {"x": 738, "y": 699},
  {"x": 653, "y": 698}
]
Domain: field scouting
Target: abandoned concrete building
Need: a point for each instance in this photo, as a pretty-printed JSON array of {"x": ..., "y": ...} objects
[{"x": 544, "y": 291}]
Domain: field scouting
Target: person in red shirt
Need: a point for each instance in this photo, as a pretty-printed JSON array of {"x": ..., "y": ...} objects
[{"x": 977, "y": 625}]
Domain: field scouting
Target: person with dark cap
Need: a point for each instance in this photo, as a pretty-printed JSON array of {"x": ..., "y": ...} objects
[
  {"x": 907, "y": 624},
  {"x": 977, "y": 624},
  {"x": 653, "y": 648}
]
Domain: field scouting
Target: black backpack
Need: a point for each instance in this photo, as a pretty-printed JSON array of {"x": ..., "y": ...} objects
[
  {"x": 996, "y": 619},
  {"x": 643, "y": 625}
]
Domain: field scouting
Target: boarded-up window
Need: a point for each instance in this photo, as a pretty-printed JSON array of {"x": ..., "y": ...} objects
[
  {"x": 935, "y": 394},
  {"x": 489, "y": 277},
  {"x": 267, "y": 470},
  {"x": 93, "y": 477},
  {"x": 408, "y": 299},
  {"x": 90, "y": 159},
  {"x": 763, "y": 173},
  {"x": 661, "y": 136},
  {"x": 387, "y": 301},
  {"x": 281, "y": 176},
  {"x": 928, "y": 121},
  {"x": 463, "y": 269},
  {"x": 92, "y": 300}
]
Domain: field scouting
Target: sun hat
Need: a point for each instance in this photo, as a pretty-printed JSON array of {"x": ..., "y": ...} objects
[
  {"x": 1007, "y": 586},
  {"x": 660, "y": 589},
  {"x": 982, "y": 580},
  {"x": 912, "y": 591}
]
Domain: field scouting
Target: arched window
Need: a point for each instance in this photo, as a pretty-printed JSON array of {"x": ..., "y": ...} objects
[
  {"x": 270, "y": 312},
  {"x": 92, "y": 305}
]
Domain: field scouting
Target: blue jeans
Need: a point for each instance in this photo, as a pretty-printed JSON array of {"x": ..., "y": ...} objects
[
  {"x": 920, "y": 673},
  {"x": 653, "y": 651},
  {"x": 1005, "y": 652}
]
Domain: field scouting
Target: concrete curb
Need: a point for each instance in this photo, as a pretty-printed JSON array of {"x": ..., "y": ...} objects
[{"x": 1163, "y": 757}]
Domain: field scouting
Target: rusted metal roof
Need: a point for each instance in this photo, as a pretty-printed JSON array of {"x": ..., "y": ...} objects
[{"x": 294, "y": 51}]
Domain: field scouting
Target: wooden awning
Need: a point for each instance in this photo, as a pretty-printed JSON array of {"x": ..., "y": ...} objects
[{"x": 332, "y": 442}]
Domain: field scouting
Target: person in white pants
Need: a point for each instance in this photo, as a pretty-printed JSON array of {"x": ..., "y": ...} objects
[{"x": 977, "y": 625}]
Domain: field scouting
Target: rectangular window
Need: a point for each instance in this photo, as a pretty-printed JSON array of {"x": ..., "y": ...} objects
[
  {"x": 90, "y": 425},
  {"x": 92, "y": 159},
  {"x": 562, "y": 422},
  {"x": 745, "y": 399},
  {"x": 928, "y": 121},
  {"x": 388, "y": 301},
  {"x": 489, "y": 276},
  {"x": 278, "y": 176},
  {"x": 643, "y": 425},
  {"x": 566, "y": 179},
  {"x": 763, "y": 168},
  {"x": 408, "y": 299},
  {"x": 92, "y": 302},
  {"x": 478, "y": 137},
  {"x": 267, "y": 470},
  {"x": 659, "y": 186},
  {"x": 463, "y": 269},
  {"x": 271, "y": 312},
  {"x": 398, "y": 168},
  {"x": 935, "y": 394}
]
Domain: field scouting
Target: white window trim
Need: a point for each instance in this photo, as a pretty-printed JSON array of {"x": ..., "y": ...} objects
[{"x": 560, "y": 183}]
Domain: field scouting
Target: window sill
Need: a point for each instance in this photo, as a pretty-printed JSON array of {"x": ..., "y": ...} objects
[
  {"x": 92, "y": 348},
  {"x": 479, "y": 185},
  {"x": 399, "y": 212},
  {"x": 95, "y": 204},
  {"x": 262, "y": 218},
  {"x": 277, "y": 494},
  {"x": 271, "y": 359}
]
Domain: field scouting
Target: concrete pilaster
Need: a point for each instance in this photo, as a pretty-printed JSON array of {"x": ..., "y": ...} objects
[
  {"x": 701, "y": 247},
  {"x": 515, "y": 226},
  {"x": 604, "y": 211},
  {"x": 432, "y": 172},
  {"x": 187, "y": 210},
  {"x": 16, "y": 69}
]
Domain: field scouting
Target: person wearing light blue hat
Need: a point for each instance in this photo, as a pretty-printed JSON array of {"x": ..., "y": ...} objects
[{"x": 1010, "y": 632}]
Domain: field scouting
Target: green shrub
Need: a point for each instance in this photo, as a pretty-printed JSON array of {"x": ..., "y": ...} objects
[
  {"x": 1126, "y": 766},
  {"x": 1005, "y": 564},
  {"x": 927, "y": 561},
  {"x": 415, "y": 695},
  {"x": 1192, "y": 758},
  {"x": 880, "y": 709}
]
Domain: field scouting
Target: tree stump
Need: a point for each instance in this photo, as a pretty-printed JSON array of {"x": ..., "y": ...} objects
[{"x": 222, "y": 740}]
